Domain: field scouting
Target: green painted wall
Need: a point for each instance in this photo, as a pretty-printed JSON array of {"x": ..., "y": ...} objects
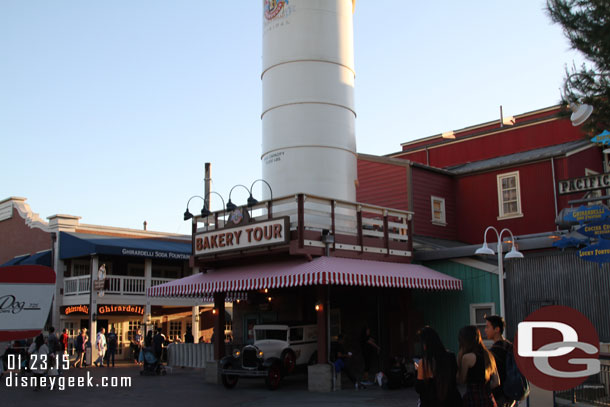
[{"x": 448, "y": 311}]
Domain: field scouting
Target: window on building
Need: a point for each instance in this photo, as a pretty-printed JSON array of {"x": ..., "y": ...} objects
[
  {"x": 80, "y": 268},
  {"x": 133, "y": 327},
  {"x": 135, "y": 270},
  {"x": 175, "y": 330},
  {"x": 161, "y": 271},
  {"x": 509, "y": 195},
  {"x": 478, "y": 313},
  {"x": 438, "y": 210}
]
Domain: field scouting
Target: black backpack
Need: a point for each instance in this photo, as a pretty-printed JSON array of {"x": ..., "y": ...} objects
[{"x": 515, "y": 386}]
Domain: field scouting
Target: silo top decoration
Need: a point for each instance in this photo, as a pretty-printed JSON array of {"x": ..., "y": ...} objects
[{"x": 274, "y": 7}]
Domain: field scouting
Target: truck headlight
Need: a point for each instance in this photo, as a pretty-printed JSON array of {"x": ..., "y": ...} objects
[
  {"x": 236, "y": 353},
  {"x": 260, "y": 354}
]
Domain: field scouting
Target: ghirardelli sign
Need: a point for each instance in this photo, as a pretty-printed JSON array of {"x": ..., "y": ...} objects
[
  {"x": 26, "y": 294},
  {"x": 253, "y": 235}
]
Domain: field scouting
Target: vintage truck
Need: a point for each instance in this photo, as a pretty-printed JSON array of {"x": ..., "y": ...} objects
[{"x": 276, "y": 351}]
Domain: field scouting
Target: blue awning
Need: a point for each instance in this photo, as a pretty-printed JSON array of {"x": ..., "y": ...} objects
[
  {"x": 16, "y": 260},
  {"x": 41, "y": 258},
  {"x": 73, "y": 245}
]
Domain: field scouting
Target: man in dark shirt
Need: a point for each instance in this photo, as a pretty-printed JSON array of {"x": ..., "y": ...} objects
[
  {"x": 112, "y": 346},
  {"x": 494, "y": 330},
  {"x": 158, "y": 340},
  {"x": 340, "y": 358},
  {"x": 188, "y": 338}
]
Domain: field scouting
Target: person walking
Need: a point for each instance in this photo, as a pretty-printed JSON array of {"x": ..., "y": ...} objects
[
  {"x": 477, "y": 369},
  {"x": 436, "y": 373},
  {"x": 494, "y": 330},
  {"x": 63, "y": 341},
  {"x": 39, "y": 353},
  {"x": 55, "y": 352},
  {"x": 53, "y": 342},
  {"x": 148, "y": 340},
  {"x": 112, "y": 346},
  {"x": 81, "y": 344},
  {"x": 101, "y": 346},
  {"x": 136, "y": 345},
  {"x": 157, "y": 343},
  {"x": 369, "y": 350}
]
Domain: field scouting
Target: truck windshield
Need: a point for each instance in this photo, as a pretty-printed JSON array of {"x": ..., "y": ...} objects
[{"x": 277, "y": 334}]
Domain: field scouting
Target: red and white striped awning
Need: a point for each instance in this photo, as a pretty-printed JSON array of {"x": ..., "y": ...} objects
[{"x": 322, "y": 270}]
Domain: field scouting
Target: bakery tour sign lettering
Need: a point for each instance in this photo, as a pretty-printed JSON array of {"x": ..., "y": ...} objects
[{"x": 252, "y": 235}]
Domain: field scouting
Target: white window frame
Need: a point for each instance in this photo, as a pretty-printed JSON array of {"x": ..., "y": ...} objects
[
  {"x": 519, "y": 212},
  {"x": 443, "y": 220},
  {"x": 473, "y": 320},
  {"x": 171, "y": 329}
]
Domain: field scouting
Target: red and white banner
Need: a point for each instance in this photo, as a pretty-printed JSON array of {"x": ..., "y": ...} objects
[{"x": 26, "y": 295}]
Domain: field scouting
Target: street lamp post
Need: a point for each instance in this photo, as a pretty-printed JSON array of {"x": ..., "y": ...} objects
[{"x": 512, "y": 254}]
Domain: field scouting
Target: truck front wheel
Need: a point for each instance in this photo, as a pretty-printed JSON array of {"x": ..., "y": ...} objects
[{"x": 229, "y": 380}]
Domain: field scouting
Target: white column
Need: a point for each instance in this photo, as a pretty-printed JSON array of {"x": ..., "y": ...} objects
[
  {"x": 195, "y": 323},
  {"x": 148, "y": 276},
  {"x": 59, "y": 267},
  {"x": 195, "y": 315},
  {"x": 93, "y": 308}
]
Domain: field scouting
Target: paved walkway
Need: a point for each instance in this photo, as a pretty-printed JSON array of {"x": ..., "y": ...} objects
[{"x": 183, "y": 386}]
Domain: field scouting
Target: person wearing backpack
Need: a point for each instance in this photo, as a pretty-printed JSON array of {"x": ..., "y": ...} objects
[{"x": 511, "y": 381}]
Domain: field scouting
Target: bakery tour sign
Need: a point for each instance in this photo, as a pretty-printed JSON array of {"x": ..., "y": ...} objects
[{"x": 242, "y": 237}]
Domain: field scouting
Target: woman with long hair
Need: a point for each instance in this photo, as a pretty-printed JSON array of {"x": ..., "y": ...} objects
[
  {"x": 436, "y": 372},
  {"x": 39, "y": 355},
  {"x": 476, "y": 368}
]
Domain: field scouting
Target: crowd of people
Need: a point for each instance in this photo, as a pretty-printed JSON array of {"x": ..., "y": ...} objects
[
  {"x": 440, "y": 374},
  {"x": 480, "y": 372}
]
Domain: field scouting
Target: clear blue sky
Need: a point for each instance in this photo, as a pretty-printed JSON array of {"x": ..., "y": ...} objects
[{"x": 109, "y": 109}]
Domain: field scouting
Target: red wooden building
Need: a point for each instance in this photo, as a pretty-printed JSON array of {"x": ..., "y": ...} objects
[
  {"x": 487, "y": 175},
  {"x": 506, "y": 177}
]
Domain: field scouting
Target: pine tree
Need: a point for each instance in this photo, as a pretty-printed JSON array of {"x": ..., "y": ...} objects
[{"x": 586, "y": 24}]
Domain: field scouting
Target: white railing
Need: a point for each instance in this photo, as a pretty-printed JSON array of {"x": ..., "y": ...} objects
[
  {"x": 319, "y": 213},
  {"x": 77, "y": 285},
  {"x": 122, "y": 285},
  {"x": 159, "y": 281},
  {"x": 357, "y": 226}
]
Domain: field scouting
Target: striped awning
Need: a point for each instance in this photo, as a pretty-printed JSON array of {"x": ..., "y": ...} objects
[{"x": 322, "y": 270}]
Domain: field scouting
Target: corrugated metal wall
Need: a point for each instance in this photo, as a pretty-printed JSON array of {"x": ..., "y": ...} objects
[{"x": 557, "y": 278}]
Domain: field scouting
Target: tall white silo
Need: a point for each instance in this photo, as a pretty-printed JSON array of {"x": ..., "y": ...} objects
[{"x": 308, "y": 116}]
